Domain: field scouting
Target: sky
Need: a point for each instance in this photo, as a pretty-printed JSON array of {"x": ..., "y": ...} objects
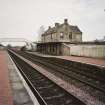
[{"x": 23, "y": 18}]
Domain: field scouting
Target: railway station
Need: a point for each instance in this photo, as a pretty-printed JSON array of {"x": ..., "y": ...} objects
[
  {"x": 34, "y": 78},
  {"x": 48, "y": 74},
  {"x": 54, "y": 71},
  {"x": 62, "y": 63}
]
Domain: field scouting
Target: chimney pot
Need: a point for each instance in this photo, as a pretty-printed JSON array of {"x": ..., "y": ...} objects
[
  {"x": 49, "y": 27},
  {"x": 65, "y": 21},
  {"x": 56, "y": 24}
]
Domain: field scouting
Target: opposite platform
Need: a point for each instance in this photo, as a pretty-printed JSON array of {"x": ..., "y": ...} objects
[{"x": 86, "y": 60}]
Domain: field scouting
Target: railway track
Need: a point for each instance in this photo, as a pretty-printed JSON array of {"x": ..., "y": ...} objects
[
  {"x": 46, "y": 91},
  {"x": 89, "y": 77}
]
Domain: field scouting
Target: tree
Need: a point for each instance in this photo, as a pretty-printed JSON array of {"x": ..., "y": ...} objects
[
  {"x": 40, "y": 32},
  {"x": 9, "y": 46},
  {"x": 104, "y": 38},
  {"x": 23, "y": 48},
  {"x": 100, "y": 40}
]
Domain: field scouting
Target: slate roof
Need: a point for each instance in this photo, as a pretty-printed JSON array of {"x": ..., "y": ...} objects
[
  {"x": 75, "y": 29},
  {"x": 50, "y": 30}
]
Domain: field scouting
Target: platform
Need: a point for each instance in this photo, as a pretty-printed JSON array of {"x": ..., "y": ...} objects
[
  {"x": 87, "y": 60},
  {"x": 13, "y": 88},
  {"x": 6, "y": 97}
]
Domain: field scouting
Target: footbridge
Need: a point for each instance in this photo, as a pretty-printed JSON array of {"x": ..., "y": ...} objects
[{"x": 29, "y": 44}]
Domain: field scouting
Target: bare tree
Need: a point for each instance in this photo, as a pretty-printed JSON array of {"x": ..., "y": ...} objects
[
  {"x": 104, "y": 38},
  {"x": 100, "y": 40},
  {"x": 40, "y": 32}
]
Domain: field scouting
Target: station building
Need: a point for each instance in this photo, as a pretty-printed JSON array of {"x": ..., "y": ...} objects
[
  {"x": 66, "y": 39},
  {"x": 53, "y": 40}
]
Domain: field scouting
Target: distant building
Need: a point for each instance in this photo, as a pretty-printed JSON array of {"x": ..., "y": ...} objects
[
  {"x": 62, "y": 33},
  {"x": 2, "y": 47}
]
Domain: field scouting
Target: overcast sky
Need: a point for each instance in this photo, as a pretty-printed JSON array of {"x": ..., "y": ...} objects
[{"x": 22, "y": 18}]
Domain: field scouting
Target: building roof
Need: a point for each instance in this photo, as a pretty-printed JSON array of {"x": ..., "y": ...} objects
[
  {"x": 75, "y": 29},
  {"x": 50, "y": 30}
]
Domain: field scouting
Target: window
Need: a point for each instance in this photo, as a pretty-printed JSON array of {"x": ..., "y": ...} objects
[
  {"x": 51, "y": 36},
  {"x": 70, "y": 35},
  {"x": 44, "y": 38},
  {"x": 53, "y": 48},
  {"x": 61, "y": 35}
]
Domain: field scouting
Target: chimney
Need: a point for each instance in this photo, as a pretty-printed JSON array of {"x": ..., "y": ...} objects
[
  {"x": 65, "y": 21},
  {"x": 56, "y": 24},
  {"x": 49, "y": 27}
]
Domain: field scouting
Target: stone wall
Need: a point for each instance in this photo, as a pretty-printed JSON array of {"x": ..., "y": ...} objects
[{"x": 65, "y": 49}]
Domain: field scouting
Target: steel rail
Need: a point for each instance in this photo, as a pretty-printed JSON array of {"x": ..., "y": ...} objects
[
  {"x": 74, "y": 99},
  {"x": 67, "y": 73},
  {"x": 34, "y": 90}
]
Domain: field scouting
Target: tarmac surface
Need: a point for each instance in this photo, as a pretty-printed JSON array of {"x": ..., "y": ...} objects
[{"x": 92, "y": 61}]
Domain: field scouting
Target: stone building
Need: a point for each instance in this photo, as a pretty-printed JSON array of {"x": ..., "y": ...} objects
[
  {"x": 54, "y": 39},
  {"x": 62, "y": 33},
  {"x": 66, "y": 39}
]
